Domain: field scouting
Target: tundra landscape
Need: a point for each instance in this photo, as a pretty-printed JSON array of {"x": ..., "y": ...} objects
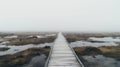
[
  {"x": 32, "y": 49},
  {"x": 25, "y": 49},
  {"x": 96, "y": 49},
  {"x": 59, "y": 33}
]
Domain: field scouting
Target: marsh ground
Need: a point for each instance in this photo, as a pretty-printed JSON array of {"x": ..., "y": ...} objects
[
  {"x": 25, "y": 49},
  {"x": 96, "y": 49}
]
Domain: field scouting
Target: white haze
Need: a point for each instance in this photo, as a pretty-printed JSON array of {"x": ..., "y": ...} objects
[{"x": 60, "y": 15}]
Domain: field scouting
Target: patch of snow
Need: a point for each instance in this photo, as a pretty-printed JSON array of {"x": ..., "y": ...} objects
[
  {"x": 4, "y": 43},
  {"x": 11, "y": 36},
  {"x": 50, "y": 35},
  {"x": 41, "y": 36},
  {"x": 85, "y": 43},
  {"x": 38, "y": 36},
  {"x": 106, "y": 39},
  {"x": 15, "y": 49}
]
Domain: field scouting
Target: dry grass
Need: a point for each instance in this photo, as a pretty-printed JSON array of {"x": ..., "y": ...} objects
[
  {"x": 25, "y": 41},
  {"x": 3, "y": 48},
  {"x": 22, "y": 58},
  {"x": 110, "y": 49}
]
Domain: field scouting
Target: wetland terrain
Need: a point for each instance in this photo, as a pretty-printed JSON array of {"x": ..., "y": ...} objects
[
  {"x": 25, "y": 49},
  {"x": 32, "y": 49},
  {"x": 96, "y": 49}
]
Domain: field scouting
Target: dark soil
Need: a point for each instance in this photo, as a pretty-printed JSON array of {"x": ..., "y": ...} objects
[{"x": 21, "y": 58}]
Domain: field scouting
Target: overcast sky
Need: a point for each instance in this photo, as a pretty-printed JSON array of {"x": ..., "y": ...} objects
[{"x": 60, "y": 15}]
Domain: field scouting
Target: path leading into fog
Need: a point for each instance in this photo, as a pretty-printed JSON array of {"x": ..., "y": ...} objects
[{"x": 62, "y": 55}]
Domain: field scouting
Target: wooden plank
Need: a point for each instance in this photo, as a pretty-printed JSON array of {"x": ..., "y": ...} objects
[{"x": 62, "y": 55}]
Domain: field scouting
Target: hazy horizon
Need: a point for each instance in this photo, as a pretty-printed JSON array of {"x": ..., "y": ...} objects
[{"x": 60, "y": 15}]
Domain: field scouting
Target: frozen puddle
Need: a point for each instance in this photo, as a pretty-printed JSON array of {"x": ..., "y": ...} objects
[
  {"x": 85, "y": 43},
  {"x": 37, "y": 61},
  {"x": 15, "y": 49},
  {"x": 101, "y": 61}
]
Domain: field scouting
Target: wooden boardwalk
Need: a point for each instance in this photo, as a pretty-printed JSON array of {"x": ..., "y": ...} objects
[{"x": 62, "y": 55}]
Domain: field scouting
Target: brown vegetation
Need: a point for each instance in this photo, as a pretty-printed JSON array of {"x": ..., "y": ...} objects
[
  {"x": 24, "y": 41},
  {"x": 3, "y": 48},
  {"x": 109, "y": 51},
  {"x": 22, "y": 57},
  {"x": 72, "y": 37}
]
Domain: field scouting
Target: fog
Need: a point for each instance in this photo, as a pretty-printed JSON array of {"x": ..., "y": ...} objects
[{"x": 60, "y": 15}]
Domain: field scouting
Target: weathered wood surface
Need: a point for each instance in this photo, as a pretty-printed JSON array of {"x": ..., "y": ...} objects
[{"x": 62, "y": 55}]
